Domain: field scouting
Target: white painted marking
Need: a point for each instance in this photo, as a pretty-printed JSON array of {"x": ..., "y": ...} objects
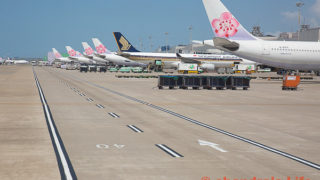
[
  {"x": 54, "y": 134},
  {"x": 134, "y": 128},
  {"x": 102, "y": 146},
  {"x": 89, "y": 99},
  {"x": 118, "y": 146},
  {"x": 113, "y": 115},
  {"x": 169, "y": 151},
  {"x": 210, "y": 144},
  {"x": 100, "y": 106}
]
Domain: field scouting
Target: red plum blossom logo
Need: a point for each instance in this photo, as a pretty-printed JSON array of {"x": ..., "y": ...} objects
[
  {"x": 89, "y": 51},
  {"x": 101, "y": 49},
  {"x": 226, "y": 25},
  {"x": 72, "y": 52},
  {"x": 57, "y": 55}
]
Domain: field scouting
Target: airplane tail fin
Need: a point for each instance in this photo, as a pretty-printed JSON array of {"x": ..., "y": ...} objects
[
  {"x": 223, "y": 23},
  {"x": 87, "y": 48},
  {"x": 123, "y": 44},
  {"x": 99, "y": 46},
  {"x": 56, "y": 53},
  {"x": 71, "y": 51}
]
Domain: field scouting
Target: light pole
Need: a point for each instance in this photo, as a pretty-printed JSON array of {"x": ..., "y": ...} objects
[
  {"x": 150, "y": 40},
  {"x": 190, "y": 29},
  {"x": 141, "y": 44},
  {"x": 299, "y": 5},
  {"x": 166, "y": 33}
]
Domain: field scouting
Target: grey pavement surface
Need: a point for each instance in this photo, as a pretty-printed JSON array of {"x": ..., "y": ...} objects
[{"x": 101, "y": 146}]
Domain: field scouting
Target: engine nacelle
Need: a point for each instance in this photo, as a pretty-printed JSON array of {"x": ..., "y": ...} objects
[{"x": 208, "y": 67}]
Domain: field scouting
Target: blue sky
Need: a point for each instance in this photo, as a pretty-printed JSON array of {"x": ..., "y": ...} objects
[{"x": 30, "y": 28}]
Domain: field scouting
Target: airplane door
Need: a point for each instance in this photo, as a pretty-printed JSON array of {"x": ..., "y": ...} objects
[{"x": 265, "y": 50}]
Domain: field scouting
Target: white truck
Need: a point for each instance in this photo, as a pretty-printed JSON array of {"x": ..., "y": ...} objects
[
  {"x": 186, "y": 68},
  {"x": 245, "y": 67}
]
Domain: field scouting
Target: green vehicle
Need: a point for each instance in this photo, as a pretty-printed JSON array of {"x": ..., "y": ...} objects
[
  {"x": 125, "y": 69},
  {"x": 136, "y": 70},
  {"x": 113, "y": 70}
]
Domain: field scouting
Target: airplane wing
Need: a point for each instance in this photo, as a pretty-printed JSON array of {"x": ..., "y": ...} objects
[
  {"x": 187, "y": 60},
  {"x": 225, "y": 44}
]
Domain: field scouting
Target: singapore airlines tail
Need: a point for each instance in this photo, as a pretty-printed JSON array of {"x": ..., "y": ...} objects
[{"x": 123, "y": 44}]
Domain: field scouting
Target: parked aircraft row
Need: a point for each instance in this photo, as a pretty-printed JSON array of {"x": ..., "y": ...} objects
[{"x": 128, "y": 55}]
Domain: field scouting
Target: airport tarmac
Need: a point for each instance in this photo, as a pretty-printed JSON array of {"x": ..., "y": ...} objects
[{"x": 115, "y": 128}]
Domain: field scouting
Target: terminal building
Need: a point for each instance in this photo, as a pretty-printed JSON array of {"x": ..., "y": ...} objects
[{"x": 304, "y": 34}]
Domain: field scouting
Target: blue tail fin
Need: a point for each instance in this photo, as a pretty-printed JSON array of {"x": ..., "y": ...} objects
[{"x": 123, "y": 44}]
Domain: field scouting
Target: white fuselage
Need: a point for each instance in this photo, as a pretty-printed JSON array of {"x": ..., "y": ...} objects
[
  {"x": 97, "y": 59},
  {"x": 64, "y": 59},
  {"x": 294, "y": 55},
  {"x": 83, "y": 60},
  {"x": 171, "y": 60},
  {"x": 119, "y": 60}
]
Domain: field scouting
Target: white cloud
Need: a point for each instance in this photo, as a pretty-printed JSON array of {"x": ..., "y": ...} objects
[
  {"x": 316, "y": 8},
  {"x": 290, "y": 15}
]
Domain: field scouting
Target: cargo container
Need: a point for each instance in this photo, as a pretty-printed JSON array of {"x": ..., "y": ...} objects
[
  {"x": 92, "y": 68},
  {"x": 234, "y": 82},
  {"x": 290, "y": 82},
  {"x": 83, "y": 68},
  {"x": 101, "y": 69}
]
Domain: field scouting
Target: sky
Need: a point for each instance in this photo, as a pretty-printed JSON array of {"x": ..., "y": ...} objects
[{"x": 31, "y": 28}]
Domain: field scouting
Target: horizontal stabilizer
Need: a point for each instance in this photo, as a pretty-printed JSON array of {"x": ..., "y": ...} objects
[
  {"x": 187, "y": 60},
  {"x": 123, "y": 54},
  {"x": 100, "y": 55},
  {"x": 225, "y": 44}
]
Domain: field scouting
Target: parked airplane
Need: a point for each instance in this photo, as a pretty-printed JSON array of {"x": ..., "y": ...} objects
[
  {"x": 172, "y": 60},
  {"x": 15, "y": 61},
  {"x": 59, "y": 58},
  {"x": 2, "y": 60},
  {"x": 78, "y": 56},
  {"x": 89, "y": 53},
  {"x": 232, "y": 37},
  {"x": 103, "y": 52}
]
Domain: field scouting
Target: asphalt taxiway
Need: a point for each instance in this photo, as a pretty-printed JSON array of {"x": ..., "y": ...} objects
[{"x": 115, "y": 128}]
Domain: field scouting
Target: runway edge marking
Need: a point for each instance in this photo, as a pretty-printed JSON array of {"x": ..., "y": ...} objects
[
  {"x": 65, "y": 166},
  {"x": 268, "y": 148}
]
